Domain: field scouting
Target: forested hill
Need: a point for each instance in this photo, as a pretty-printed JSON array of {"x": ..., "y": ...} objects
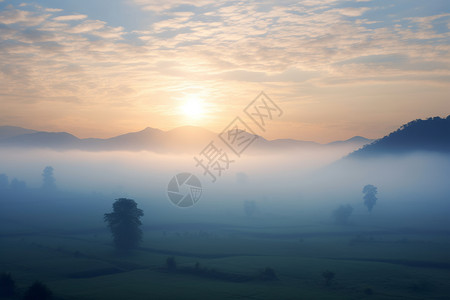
[{"x": 432, "y": 134}]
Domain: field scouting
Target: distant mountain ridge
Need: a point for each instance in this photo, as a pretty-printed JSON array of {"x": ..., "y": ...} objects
[
  {"x": 186, "y": 139},
  {"x": 432, "y": 134},
  {"x": 11, "y": 131},
  {"x": 49, "y": 139}
]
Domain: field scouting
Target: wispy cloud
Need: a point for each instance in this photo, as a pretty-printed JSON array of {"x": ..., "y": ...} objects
[
  {"x": 70, "y": 18},
  {"x": 87, "y": 26},
  {"x": 53, "y": 9},
  {"x": 27, "y": 18},
  {"x": 227, "y": 49},
  {"x": 161, "y": 5}
]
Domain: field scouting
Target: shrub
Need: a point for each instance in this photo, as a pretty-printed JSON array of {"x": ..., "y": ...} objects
[
  {"x": 7, "y": 285},
  {"x": 171, "y": 264},
  {"x": 421, "y": 286},
  {"x": 368, "y": 291},
  {"x": 329, "y": 276},
  {"x": 38, "y": 291},
  {"x": 342, "y": 214},
  {"x": 268, "y": 274}
]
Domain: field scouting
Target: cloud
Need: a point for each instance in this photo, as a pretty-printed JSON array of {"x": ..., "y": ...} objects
[
  {"x": 12, "y": 16},
  {"x": 226, "y": 49},
  {"x": 161, "y": 5},
  {"x": 352, "y": 11},
  {"x": 53, "y": 9},
  {"x": 70, "y": 18},
  {"x": 109, "y": 32},
  {"x": 87, "y": 26}
]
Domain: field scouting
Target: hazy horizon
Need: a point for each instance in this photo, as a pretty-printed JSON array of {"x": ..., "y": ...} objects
[{"x": 186, "y": 126}]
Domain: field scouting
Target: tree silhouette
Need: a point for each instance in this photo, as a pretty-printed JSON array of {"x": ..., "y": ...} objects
[
  {"x": 4, "y": 181},
  {"x": 250, "y": 208},
  {"x": 7, "y": 285},
  {"x": 370, "y": 197},
  {"x": 124, "y": 224},
  {"x": 48, "y": 181},
  {"x": 328, "y": 276},
  {"x": 268, "y": 274},
  {"x": 38, "y": 291},
  {"x": 342, "y": 214},
  {"x": 18, "y": 185},
  {"x": 171, "y": 264}
]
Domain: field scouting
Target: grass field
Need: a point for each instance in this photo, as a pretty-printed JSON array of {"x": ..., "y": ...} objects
[{"x": 369, "y": 263}]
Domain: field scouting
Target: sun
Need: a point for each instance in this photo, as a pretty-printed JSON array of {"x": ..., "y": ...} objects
[{"x": 193, "y": 107}]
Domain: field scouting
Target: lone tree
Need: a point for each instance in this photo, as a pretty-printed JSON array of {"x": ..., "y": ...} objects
[
  {"x": 171, "y": 264},
  {"x": 342, "y": 214},
  {"x": 328, "y": 276},
  {"x": 124, "y": 224},
  {"x": 370, "y": 198},
  {"x": 38, "y": 291},
  {"x": 18, "y": 185},
  {"x": 48, "y": 181},
  {"x": 7, "y": 285},
  {"x": 268, "y": 274},
  {"x": 250, "y": 208},
  {"x": 4, "y": 181}
]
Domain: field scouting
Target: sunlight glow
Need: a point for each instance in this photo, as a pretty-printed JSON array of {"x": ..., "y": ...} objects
[{"x": 193, "y": 107}]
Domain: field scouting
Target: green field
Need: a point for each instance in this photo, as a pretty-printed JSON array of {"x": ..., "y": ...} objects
[{"x": 369, "y": 263}]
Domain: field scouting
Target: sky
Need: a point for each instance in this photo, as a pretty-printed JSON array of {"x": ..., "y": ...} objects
[{"x": 335, "y": 68}]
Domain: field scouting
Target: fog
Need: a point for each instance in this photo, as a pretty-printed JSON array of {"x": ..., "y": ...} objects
[
  {"x": 273, "y": 221},
  {"x": 287, "y": 188}
]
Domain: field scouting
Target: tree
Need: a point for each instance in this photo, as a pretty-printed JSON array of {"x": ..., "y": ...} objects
[
  {"x": 4, "y": 181},
  {"x": 250, "y": 208},
  {"x": 124, "y": 224},
  {"x": 328, "y": 276},
  {"x": 48, "y": 181},
  {"x": 7, "y": 285},
  {"x": 171, "y": 264},
  {"x": 342, "y": 214},
  {"x": 268, "y": 274},
  {"x": 18, "y": 185},
  {"x": 38, "y": 291},
  {"x": 370, "y": 197}
]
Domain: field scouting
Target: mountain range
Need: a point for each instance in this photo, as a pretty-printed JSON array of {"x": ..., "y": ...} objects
[
  {"x": 432, "y": 134},
  {"x": 186, "y": 139}
]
